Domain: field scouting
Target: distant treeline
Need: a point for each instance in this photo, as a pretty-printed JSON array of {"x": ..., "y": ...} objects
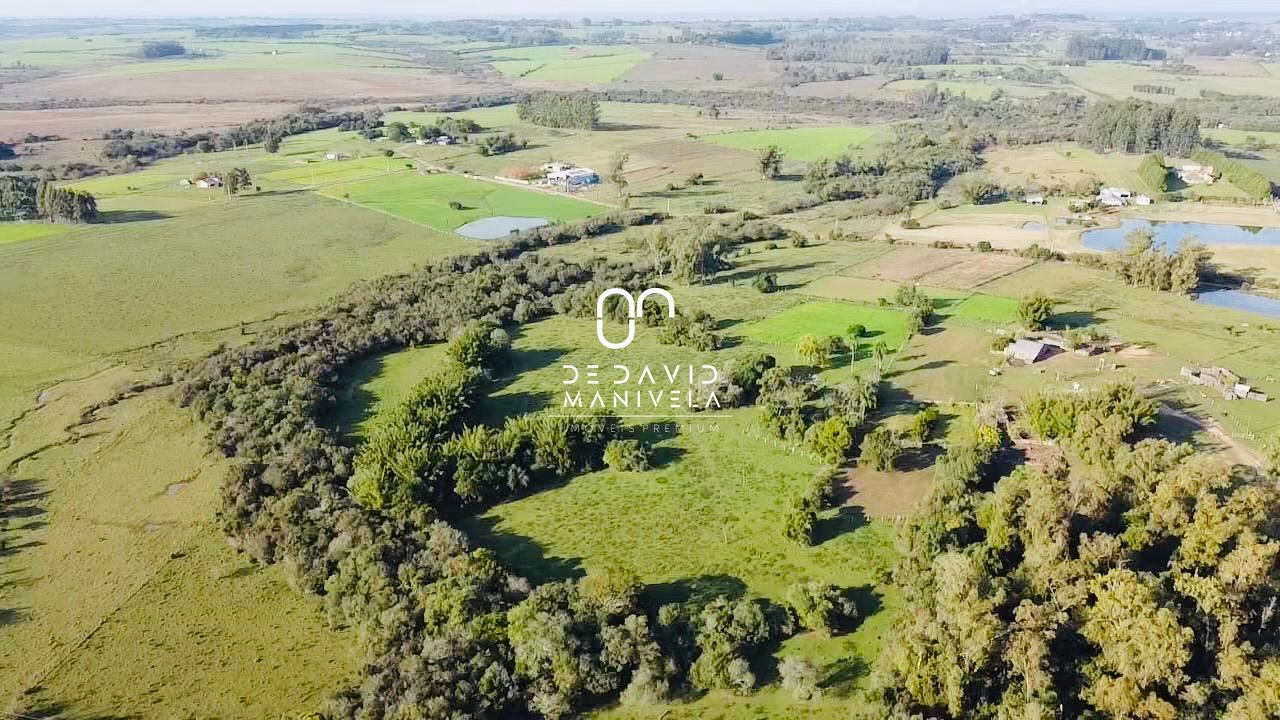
[
  {"x": 147, "y": 146},
  {"x": 1138, "y": 126},
  {"x": 1083, "y": 47},
  {"x": 912, "y": 168},
  {"x": 24, "y": 198},
  {"x": 748, "y": 36},
  {"x": 845, "y": 48},
  {"x": 559, "y": 110},
  {"x": 1155, "y": 89},
  {"x": 272, "y": 31},
  {"x": 1241, "y": 112},
  {"x": 163, "y": 49}
]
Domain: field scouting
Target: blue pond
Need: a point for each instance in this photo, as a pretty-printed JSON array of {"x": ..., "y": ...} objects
[
  {"x": 499, "y": 226},
  {"x": 1237, "y": 300},
  {"x": 1171, "y": 234}
]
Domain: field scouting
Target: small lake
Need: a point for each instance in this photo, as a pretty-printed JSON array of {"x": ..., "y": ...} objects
[
  {"x": 499, "y": 226},
  {"x": 1239, "y": 300},
  {"x": 1171, "y": 234}
]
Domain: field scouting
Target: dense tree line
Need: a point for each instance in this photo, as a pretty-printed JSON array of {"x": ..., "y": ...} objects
[
  {"x": 840, "y": 47},
  {"x": 1088, "y": 47},
  {"x": 24, "y": 198},
  {"x": 1143, "y": 263},
  {"x": 1126, "y": 578},
  {"x": 278, "y": 30},
  {"x": 1243, "y": 112},
  {"x": 144, "y": 145},
  {"x": 1253, "y": 183},
  {"x": 1137, "y": 126},
  {"x": 1155, "y": 89},
  {"x": 560, "y": 110}
]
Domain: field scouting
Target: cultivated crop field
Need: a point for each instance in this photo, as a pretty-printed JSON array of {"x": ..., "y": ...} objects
[{"x": 425, "y": 199}]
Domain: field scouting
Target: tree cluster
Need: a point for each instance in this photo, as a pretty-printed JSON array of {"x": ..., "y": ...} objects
[
  {"x": 23, "y": 198},
  {"x": 559, "y": 110},
  {"x": 1143, "y": 263},
  {"x": 912, "y": 168},
  {"x": 1129, "y": 579},
  {"x": 1253, "y": 183},
  {"x": 1138, "y": 126},
  {"x": 845, "y": 48},
  {"x": 1089, "y": 47},
  {"x": 163, "y": 49}
]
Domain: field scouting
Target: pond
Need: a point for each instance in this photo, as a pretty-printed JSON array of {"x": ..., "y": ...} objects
[
  {"x": 1239, "y": 300},
  {"x": 499, "y": 226},
  {"x": 1170, "y": 234}
]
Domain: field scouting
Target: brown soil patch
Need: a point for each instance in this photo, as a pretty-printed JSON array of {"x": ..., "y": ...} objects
[
  {"x": 76, "y": 123},
  {"x": 884, "y": 495},
  {"x": 248, "y": 86},
  {"x": 958, "y": 269}
]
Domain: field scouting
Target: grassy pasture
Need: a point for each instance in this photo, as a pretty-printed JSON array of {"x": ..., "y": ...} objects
[
  {"x": 579, "y": 63},
  {"x": 336, "y": 171},
  {"x": 425, "y": 199},
  {"x": 11, "y": 232},
  {"x": 1116, "y": 80},
  {"x": 807, "y": 143},
  {"x": 1228, "y": 136},
  {"x": 107, "y": 288},
  {"x": 987, "y": 309}
]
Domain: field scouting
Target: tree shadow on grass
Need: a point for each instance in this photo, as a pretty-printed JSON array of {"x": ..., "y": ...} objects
[
  {"x": 845, "y": 519},
  {"x": 521, "y": 554},
  {"x": 117, "y": 217},
  {"x": 697, "y": 591},
  {"x": 841, "y": 677}
]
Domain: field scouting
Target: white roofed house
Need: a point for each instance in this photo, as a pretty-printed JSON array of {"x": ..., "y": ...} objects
[
  {"x": 1114, "y": 197},
  {"x": 1027, "y": 351},
  {"x": 573, "y": 177}
]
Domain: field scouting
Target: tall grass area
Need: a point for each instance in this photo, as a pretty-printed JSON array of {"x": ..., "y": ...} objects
[{"x": 808, "y": 143}]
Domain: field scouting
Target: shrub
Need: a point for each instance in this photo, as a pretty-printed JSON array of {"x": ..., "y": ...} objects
[
  {"x": 880, "y": 448},
  {"x": 627, "y": 455},
  {"x": 800, "y": 677},
  {"x": 830, "y": 439},
  {"x": 820, "y": 607},
  {"x": 765, "y": 282}
]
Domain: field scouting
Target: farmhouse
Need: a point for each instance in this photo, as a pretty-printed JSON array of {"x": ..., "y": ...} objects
[
  {"x": 1036, "y": 199},
  {"x": 1114, "y": 197},
  {"x": 335, "y": 156},
  {"x": 1027, "y": 351},
  {"x": 574, "y": 177},
  {"x": 1196, "y": 174},
  {"x": 213, "y": 181}
]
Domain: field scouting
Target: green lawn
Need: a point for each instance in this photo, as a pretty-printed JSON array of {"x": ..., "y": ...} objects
[
  {"x": 986, "y": 308},
  {"x": 824, "y": 318},
  {"x": 807, "y": 143},
  {"x": 332, "y": 171},
  {"x": 425, "y": 199},
  {"x": 20, "y": 232}
]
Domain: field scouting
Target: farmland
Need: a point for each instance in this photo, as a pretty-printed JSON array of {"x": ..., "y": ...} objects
[
  {"x": 195, "y": 520},
  {"x": 426, "y": 200},
  {"x": 807, "y": 144}
]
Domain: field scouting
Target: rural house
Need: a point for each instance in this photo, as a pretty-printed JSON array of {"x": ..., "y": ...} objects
[
  {"x": 213, "y": 181},
  {"x": 1114, "y": 197},
  {"x": 574, "y": 177},
  {"x": 1026, "y": 351},
  {"x": 1036, "y": 199}
]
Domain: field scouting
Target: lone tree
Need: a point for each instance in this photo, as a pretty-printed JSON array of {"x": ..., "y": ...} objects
[
  {"x": 618, "y": 173},
  {"x": 1035, "y": 310},
  {"x": 814, "y": 351},
  {"x": 271, "y": 144},
  {"x": 770, "y": 162}
]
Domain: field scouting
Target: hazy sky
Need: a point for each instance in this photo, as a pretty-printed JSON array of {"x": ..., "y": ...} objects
[{"x": 605, "y": 8}]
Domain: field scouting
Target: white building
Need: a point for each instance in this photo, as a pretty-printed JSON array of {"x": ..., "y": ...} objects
[
  {"x": 1114, "y": 197},
  {"x": 1036, "y": 199},
  {"x": 556, "y": 167},
  {"x": 573, "y": 177},
  {"x": 213, "y": 181}
]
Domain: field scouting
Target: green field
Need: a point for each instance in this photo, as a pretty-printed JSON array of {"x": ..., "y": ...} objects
[
  {"x": 335, "y": 171},
  {"x": 579, "y": 63},
  {"x": 11, "y": 232},
  {"x": 425, "y": 199},
  {"x": 807, "y": 143},
  {"x": 986, "y": 308},
  {"x": 828, "y": 318}
]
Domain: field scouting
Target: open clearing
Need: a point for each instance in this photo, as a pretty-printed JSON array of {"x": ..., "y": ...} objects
[
  {"x": 807, "y": 143},
  {"x": 828, "y": 318},
  {"x": 425, "y": 199},
  {"x": 955, "y": 269},
  {"x": 578, "y": 63}
]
